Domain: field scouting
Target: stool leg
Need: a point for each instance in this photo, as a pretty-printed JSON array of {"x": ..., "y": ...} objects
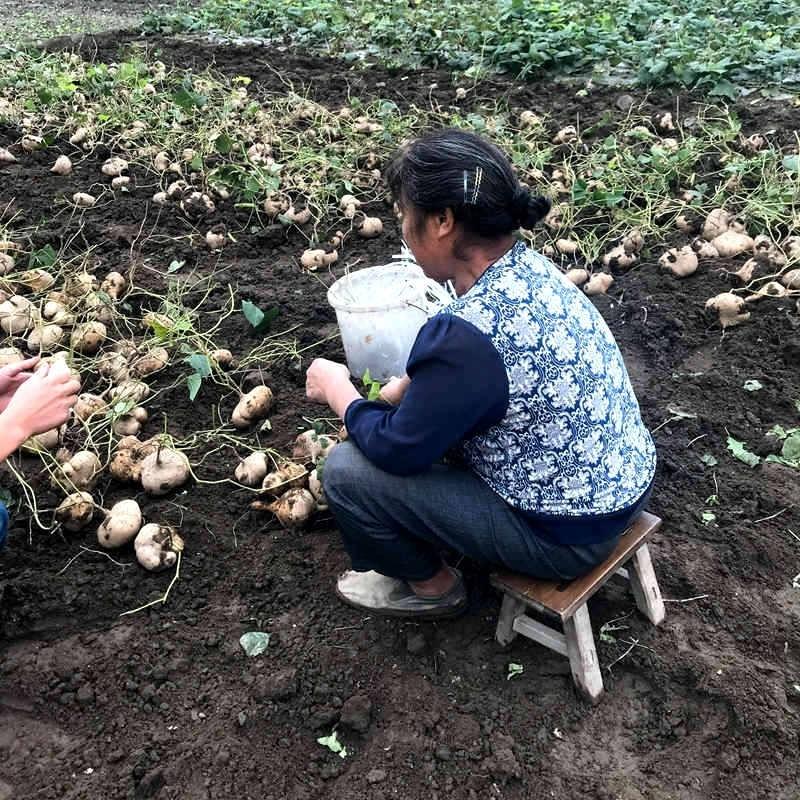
[
  {"x": 582, "y": 654},
  {"x": 645, "y": 586},
  {"x": 509, "y": 611}
]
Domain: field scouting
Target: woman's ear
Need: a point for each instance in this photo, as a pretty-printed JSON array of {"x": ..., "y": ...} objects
[{"x": 444, "y": 223}]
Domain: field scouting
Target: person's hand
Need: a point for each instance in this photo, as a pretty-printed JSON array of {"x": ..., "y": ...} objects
[
  {"x": 43, "y": 401},
  {"x": 13, "y": 376},
  {"x": 322, "y": 377},
  {"x": 392, "y": 392}
]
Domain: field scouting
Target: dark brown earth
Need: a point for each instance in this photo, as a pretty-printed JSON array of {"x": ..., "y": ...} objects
[{"x": 165, "y": 704}]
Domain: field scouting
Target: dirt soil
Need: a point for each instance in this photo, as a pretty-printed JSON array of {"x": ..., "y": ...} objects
[{"x": 164, "y": 703}]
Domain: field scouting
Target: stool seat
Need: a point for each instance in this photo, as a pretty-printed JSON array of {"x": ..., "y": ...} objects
[{"x": 567, "y": 601}]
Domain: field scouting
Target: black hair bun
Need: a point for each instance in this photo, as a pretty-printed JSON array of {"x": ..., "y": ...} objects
[{"x": 530, "y": 209}]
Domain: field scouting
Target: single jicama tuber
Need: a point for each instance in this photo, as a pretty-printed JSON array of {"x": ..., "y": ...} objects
[
  {"x": 599, "y": 283},
  {"x": 75, "y": 511},
  {"x": 157, "y": 546},
  {"x": 294, "y": 508},
  {"x": 312, "y": 446},
  {"x": 681, "y": 263},
  {"x": 163, "y": 470},
  {"x": 252, "y": 407},
  {"x": 252, "y": 470},
  {"x": 120, "y": 525},
  {"x": 729, "y": 307},
  {"x": 288, "y": 476}
]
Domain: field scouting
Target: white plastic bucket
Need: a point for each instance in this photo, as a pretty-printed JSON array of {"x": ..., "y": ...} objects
[{"x": 380, "y": 311}]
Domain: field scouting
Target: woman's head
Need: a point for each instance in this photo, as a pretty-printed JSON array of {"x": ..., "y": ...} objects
[{"x": 457, "y": 176}]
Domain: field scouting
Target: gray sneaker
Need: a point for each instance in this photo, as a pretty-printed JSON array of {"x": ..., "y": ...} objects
[{"x": 371, "y": 591}]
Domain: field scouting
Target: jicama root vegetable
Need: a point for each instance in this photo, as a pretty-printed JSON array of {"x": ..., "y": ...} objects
[
  {"x": 135, "y": 391},
  {"x": 161, "y": 162},
  {"x": 63, "y": 166},
  {"x": 84, "y": 199},
  {"x": 114, "y": 167},
  {"x": 766, "y": 249},
  {"x": 120, "y": 182},
  {"x": 316, "y": 489},
  {"x": 113, "y": 366},
  {"x": 45, "y": 338},
  {"x": 89, "y": 405},
  {"x": 566, "y": 135},
  {"x": 704, "y": 248},
  {"x": 681, "y": 263},
  {"x": 731, "y": 243},
  {"x": 75, "y": 511},
  {"x": 114, "y": 285},
  {"x": 577, "y": 276},
  {"x": 7, "y": 263},
  {"x": 38, "y": 280},
  {"x": 78, "y": 286},
  {"x": 770, "y": 289},
  {"x": 349, "y": 205},
  {"x": 10, "y": 355},
  {"x": 312, "y": 446},
  {"x": 292, "y": 217},
  {"x": 293, "y": 508},
  {"x": 17, "y": 314},
  {"x": 370, "y": 228},
  {"x": 126, "y": 463},
  {"x": 633, "y": 241},
  {"x": 792, "y": 247},
  {"x": 746, "y": 271},
  {"x": 288, "y": 476},
  {"x": 566, "y": 247},
  {"x": 717, "y": 222},
  {"x": 121, "y": 524},
  {"x": 754, "y": 143},
  {"x": 791, "y": 279},
  {"x": 687, "y": 223},
  {"x": 253, "y": 406},
  {"x": 259, "y": 152},
  {"x": 529, "y": 119},
  {"x": 149, "y": 362},
  {"x": 275, "y": 204},
  {"x": 223, "y": 358},
  {"x": 252, "y": 470},
  {"x": 88, "y": 337},
  {"x": 81, "y": 472},
  {"x": 130, "y": 424},
  {"x": 7, "y": 157},
  {"x": 163, "y": 470},
  {"x": 56, "y": 313},
  {"x": 30, "y": 142},
  {"x": 215, "y": 240},
  {"x": 619, "y": 257},
  {"x": 48, "y": 440},
  {"x": 157, "y": 546},
  {"x": 729, "y": 307},
  {"x": 364, "y": 125},
  {"x": 314, "y": 259},
  {"x": 79, "y": 137},
  {"x": 664, "y": 121},
  {"x": 599, "y": 283}
]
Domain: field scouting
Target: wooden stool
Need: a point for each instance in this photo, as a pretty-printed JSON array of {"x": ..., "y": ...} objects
[{"x": 567, "y": 601}]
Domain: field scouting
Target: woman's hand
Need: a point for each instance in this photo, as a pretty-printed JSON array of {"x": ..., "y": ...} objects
[
  {"x": 329, "y": 382},
  {"x": 12, "y": 377},
  {"x": 42, "y": 402},
  {"x": 393, "y": 391},
  {"x": 322, "y": 377}
]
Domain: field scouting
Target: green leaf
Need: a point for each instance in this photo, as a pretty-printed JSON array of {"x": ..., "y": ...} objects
[
  {"x": 175, "y": 266},
  {"x": 708, "y": 517},
  {"x": 739, "y": 450},
  {"x": 791, "y": 448},
  {"x": 43, "y": 258},
  {"x": 252, "y": 313},
  {"x": 200, "y": 363},
  {"x": 514, "y": 670},
  {"x": 187, "y": 98},
  {"x": 194, "y": 382},
  {"x": 366, "y": 378},
  {"x": 254, "y": 643},
  {"x": 752, "y": 386},
  {"x": 333, "y": 744},
  {"x": 223, "y": 144},
  {"x": 791, "y": 164},
  {"x": 709, "y": 460},
  {"x": 374, "y": 391}
]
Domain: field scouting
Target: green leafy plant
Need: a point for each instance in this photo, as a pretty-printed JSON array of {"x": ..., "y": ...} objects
[
  {"x": 333, "y": 744},
  {"x": 260, "y": 320},
  {"x": 201, "y": 369},
  {"x": 739, "y": 450},
  {"x": 373, "y": 387}
]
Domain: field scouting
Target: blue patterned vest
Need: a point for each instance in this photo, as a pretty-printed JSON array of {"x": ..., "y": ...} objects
[{"x": 572, "y": 442}]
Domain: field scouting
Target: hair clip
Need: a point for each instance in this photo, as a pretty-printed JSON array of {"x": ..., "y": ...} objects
[
  {"x": 478, "y": 177},
  {"x": 465, "y": 188}
]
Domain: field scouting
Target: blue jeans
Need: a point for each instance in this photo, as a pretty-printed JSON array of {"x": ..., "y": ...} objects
[
  {"x": 3, "y": 525},
  {"x": 399, "y": 526}
]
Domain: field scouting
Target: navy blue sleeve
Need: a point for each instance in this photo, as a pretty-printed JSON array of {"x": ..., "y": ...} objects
[{"x": 459, "y": 387}]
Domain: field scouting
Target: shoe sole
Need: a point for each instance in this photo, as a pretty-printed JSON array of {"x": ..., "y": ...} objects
[{"x": 445, "y": 613}]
